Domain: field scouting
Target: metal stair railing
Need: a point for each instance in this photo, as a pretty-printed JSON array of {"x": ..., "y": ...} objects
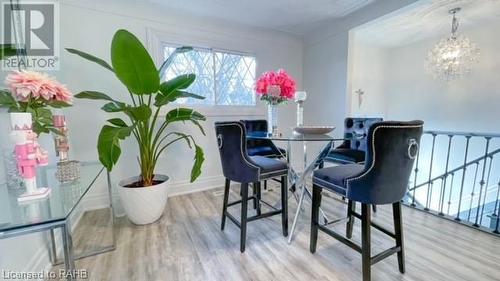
[{"x": 456, "y": 183}]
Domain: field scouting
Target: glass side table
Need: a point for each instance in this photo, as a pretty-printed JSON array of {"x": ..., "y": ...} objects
[{"x": 54, "y": 212}]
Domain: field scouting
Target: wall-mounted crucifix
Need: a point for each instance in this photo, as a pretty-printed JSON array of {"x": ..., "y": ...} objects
[{"x": 360, "y": 94}]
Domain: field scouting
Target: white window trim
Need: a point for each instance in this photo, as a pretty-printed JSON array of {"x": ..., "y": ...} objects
[{"x": 156, "y": 40}]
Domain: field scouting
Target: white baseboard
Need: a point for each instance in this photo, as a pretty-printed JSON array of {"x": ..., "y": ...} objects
[
  {"x": 186, "y": 187},
  {"x": 100, "y": 200}
]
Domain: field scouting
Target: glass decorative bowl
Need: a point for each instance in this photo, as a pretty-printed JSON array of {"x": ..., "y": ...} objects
[{"x": 314, "y": 130}]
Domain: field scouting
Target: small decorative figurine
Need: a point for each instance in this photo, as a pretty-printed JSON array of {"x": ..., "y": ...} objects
[
  {"x": 29, "y": 155},
  {"x": 61, "y": 140},
  {"x": 67, "y": 171}
]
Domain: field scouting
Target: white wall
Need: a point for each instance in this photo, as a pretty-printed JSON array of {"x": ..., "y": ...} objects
[
  {"x": 467, "y": 104},
  {"x": 326, "y": 64},
  {"x": 89, "y": 26},
  {"x": 366, "y": 73},
  {"x": 403, "y": 89},
  {"x": 408, "y": 91},
  {"x": 273, "y": 50}
]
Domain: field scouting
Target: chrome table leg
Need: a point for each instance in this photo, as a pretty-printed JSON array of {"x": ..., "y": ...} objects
[
  {"x": 69, "y": 259},
  {"x": 301, "y": 181},
  {"x": 52, "y": 247}
]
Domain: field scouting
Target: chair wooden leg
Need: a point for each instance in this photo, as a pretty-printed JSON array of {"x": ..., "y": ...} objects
[
  {"x": 316, "y": 203},
  {"x": 365, "y": 241},
  {"x": 224, "y": 204},
  {"x": 259, "y": 197},
  {"x": 254, "y": 193},
  {"x": 265, "y": 185},
  {"x": 284, "y": 205},
  {"x": 398, "y": 230},
  {"x": 374, "y": 208},
  {"x": 351, "y": 208},
  {"x": 243, "y": 221}
]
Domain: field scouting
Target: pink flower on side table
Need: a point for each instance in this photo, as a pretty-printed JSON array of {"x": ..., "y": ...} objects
[{"x": 37, "y": 86}]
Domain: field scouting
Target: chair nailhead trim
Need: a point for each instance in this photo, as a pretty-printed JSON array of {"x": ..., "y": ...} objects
[{"x": 348, "y": 181}]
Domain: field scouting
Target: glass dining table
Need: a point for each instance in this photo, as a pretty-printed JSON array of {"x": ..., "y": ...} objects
[{"x": 297, "y": 179}]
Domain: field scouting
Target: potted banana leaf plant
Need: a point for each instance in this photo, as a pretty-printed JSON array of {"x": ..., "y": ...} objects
[{"x": 144, "y": 196}]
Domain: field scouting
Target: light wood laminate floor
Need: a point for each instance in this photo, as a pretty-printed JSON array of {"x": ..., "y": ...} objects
[{"x": 187, "y": 244}]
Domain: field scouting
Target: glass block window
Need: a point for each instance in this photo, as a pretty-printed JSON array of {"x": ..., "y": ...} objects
[{"x": 224, "y": 78}]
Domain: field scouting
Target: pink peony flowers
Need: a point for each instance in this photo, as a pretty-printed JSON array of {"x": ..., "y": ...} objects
[
  {"x": 275, "y": 87},
  {"x": 35, "y": 93},
  {"x": 25, "y": 85}
]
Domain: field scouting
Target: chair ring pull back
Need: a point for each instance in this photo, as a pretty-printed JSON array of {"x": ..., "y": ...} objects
[
  {"x": 219, "y": 141},
  {"x": 412, "y": 143}
]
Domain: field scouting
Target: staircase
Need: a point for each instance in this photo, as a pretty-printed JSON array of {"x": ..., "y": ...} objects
[{"x": 457, "y": 176}]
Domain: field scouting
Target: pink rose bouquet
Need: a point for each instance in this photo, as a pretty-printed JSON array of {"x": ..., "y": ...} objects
[
  {"x": 33, "y": 92},
  {"x": 275, "y": 87}
]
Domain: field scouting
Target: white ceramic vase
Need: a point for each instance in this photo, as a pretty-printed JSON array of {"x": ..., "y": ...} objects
[{"x": 144, "y": 205}]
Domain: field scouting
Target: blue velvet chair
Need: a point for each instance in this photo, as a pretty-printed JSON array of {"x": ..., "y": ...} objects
[
  {"x": 353, "y": 149},
  {"x": 261, "y": 147},
  {"x": 382, "y": 179},
  {"x": 238, "y": 166}
]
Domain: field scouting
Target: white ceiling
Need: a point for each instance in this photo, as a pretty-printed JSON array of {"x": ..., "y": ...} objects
[
  {"x": 426, "y": 19},
  {"x": 295, "y": 16}
]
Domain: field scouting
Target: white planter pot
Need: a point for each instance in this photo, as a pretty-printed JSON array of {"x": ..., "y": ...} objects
[{"x": 143, "y": 205}]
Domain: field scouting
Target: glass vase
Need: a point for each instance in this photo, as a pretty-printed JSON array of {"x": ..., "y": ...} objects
[
  {"x": 13, "y": 179},
  {"x": 272, "y": 119}
]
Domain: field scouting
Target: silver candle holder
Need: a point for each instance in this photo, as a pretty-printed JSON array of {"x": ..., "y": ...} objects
[{"x": 300, "y": 98}]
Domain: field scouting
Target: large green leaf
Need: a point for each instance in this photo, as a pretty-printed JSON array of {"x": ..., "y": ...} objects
[
  {"x": 184, "y": 94},
  {"x": 162, "y": 100},
  {"x": 108, "y": 144},
  {"x": 178, "y": 83},
  {"x": 133, "y": 65},
  {"x": 6, "y": 99},
  {"x": 199, "y": 158},
  {"x": 93, "y": 95},
  {"x": 184, "y": 137},
  {"x": 185, "y": 114},
  {"x": 91, "y": 58},
  {"x": 113, "y": 107},
  {"x": 117, "y": 122},
  {"x": 7, "y": 50},
  {"x": 139, "y": 113},
  {"x": 171, "y": 58},
  {"x": 168, "y": 89}
]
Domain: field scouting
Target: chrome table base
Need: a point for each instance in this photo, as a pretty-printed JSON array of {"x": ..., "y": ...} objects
[{"x": 297, "y": 180}]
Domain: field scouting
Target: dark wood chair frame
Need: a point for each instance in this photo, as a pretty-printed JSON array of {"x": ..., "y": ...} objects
[
  {"x": 365, "y": 248},
  {"x": 257, "y": 201}
]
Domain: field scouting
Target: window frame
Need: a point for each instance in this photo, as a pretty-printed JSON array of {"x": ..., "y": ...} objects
[{"x": 214, "y": 110}]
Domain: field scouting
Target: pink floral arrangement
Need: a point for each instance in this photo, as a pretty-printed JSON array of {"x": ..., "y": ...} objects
[
  {"x": 26, "y": 85},
  {"x": 33, "y": 92},
  {"x": 275, "y": 87}
]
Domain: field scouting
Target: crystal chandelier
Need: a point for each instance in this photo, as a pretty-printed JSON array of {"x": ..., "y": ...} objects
[{"x": 452, "y": 57}]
